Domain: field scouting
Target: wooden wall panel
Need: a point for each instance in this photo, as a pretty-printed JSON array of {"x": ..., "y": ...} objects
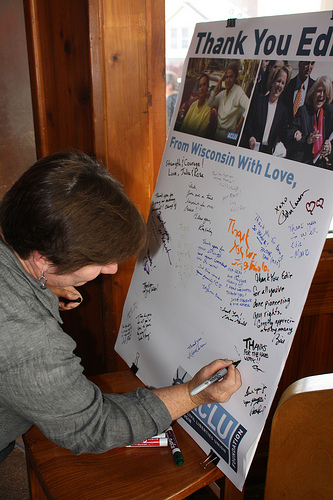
[
  {"x": 17, "y": 141},
  {"x": 97, "y": 70},
  {"x": 129, "y": 115},
  {"x": 128, "y": 98},
  {"x": 58, "y": 46},
  {"x": 60, "y": 74}
]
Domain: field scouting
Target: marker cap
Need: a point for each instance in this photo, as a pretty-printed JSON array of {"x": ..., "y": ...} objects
[{"x": 178, "y": 457}]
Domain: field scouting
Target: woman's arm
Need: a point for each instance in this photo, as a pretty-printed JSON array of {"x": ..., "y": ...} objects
[
  {"x": 213, "y": 101},
  {"x": 243, "y": 102},
  {"x": 295, "y": 136},
  {"x": 239, "y": 124},
  {"x": 252, "y": 142},
  {"x": 178, "y": 400},
  {"x": 250, "y": 132}
]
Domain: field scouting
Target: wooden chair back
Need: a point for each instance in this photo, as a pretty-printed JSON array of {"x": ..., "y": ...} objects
[{"x": 300, "y": 460}]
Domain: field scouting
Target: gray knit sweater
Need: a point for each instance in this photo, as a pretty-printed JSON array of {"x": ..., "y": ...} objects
[{"x": 41, "y": 380}]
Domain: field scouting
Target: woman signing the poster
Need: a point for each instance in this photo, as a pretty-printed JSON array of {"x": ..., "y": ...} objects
[
  {"x": 310, "y": 134},
  {"x": 64, "y": 222},
  {"x": 231, "y": 104}
]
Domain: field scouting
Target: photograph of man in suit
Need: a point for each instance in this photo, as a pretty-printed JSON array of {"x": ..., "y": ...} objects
[{"x": 298, "y": 88}]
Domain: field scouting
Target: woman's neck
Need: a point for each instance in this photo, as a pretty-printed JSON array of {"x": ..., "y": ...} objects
[
  {"x": 272, "y": 99},
  {"x": 27, "y": 264},
  {"x": 201, "y": 102}
]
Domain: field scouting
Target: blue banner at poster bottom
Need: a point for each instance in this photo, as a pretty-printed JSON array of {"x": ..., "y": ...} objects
[{"x": 227, "y": 452}]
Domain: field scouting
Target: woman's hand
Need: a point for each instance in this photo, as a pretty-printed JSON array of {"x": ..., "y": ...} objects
[
  {"x": 313, "y": 137},
  {"x": 218, "y": 392},
  {"x": 178, "y": 400},
  {"x": 298, "y": 135},
  {"x": 252, "y": 142},
  {"x": 69, "y": 293},
  {"x": 218, "y": 87},
  {"x": 326, "y": 149}
]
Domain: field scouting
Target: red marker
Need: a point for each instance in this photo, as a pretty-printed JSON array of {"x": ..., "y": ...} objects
[{"x": 153, "y": 441}]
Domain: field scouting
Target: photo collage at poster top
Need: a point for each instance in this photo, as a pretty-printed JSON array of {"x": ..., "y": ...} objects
[{"x": 281, "y": 108}]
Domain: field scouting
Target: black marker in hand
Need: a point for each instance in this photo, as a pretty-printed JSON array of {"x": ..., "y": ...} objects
[
  {"x": 214, "y": 378},
  {"x": 67, "y": 301}
]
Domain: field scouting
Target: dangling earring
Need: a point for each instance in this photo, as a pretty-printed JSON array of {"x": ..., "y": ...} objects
[{"x": 42, "y": 280}]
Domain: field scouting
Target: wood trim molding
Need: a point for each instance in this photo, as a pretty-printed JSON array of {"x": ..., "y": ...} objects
[
  {"x": 156, "y": 84},
  {"x": 96, "y": 46},
  {"x": 36, "y": 76}
]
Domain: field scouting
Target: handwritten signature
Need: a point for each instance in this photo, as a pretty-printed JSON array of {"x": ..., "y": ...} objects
[
  {"x": 195, "y": 347},
  {"x": 148, "y": 288},
  {"x": 286, "y": 208},
  {"x": 254, "y": 399}
]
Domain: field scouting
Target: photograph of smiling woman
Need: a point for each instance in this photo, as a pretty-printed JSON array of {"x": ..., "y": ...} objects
[
  {"x": 309, "y": 138},
  {"x": 267, "y": 121},
  {"x": 197, "y": 117}
]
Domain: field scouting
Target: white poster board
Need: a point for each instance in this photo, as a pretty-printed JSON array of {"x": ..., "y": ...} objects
[{"x": 235, "y": 238}]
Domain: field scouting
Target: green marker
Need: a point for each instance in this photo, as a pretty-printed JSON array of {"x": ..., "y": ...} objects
[{"x": 177, "y": 454}]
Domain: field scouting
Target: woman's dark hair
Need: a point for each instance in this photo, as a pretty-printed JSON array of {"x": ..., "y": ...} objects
[{"x": 71, "y": 210}]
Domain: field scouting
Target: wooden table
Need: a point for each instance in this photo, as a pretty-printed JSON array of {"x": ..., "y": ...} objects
[{"x": 121, "y": 473}]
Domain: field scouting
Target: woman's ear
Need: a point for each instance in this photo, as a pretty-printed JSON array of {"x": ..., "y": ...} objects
[{"x": 41, "y": 262}]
